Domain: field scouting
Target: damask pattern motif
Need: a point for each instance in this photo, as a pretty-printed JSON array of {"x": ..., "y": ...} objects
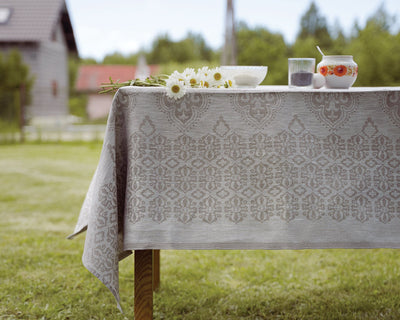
[
  {"x": 185, "y": 112},
  {"x": 332, "y": 109},
  {"x": 391, "y": 105},
  {"x": 257, "y": 109},
  {"x": 227, "y": 176}
]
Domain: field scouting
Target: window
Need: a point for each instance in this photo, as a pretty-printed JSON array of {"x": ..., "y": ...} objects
[
  {"x": 5, "y": 14},
  {"x": 54, "y": 88},
  {"x": 54, "y": 35}
]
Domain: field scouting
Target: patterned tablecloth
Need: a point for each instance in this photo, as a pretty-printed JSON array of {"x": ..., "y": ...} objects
[{"x": 268, "y": 168}]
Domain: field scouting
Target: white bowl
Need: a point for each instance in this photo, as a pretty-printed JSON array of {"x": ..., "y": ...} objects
[{"x": 245, "y": 76}]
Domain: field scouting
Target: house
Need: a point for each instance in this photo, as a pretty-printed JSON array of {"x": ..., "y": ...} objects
[
  {"x": 42, "y": 31},
  {"x": 91, "y": 77}
]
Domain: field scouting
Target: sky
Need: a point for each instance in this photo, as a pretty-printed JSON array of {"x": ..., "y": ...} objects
[{"x": 103, "y": 27}]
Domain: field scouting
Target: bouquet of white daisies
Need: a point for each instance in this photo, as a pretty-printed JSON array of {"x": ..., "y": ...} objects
[{"x": 177, "y": 83}]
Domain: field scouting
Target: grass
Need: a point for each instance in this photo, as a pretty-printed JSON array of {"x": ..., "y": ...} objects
[{"x": 42, "y": 187}]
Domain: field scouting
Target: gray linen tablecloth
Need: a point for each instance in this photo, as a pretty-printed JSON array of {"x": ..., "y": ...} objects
[{"x": 268, "y": 168}]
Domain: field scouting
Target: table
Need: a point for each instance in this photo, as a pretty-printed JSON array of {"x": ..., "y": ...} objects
[{"x": 264, "y": 168}]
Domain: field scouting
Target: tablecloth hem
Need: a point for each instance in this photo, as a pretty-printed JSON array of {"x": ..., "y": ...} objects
[
  {"x": 260, "y": 246},
  {"x": 77, "y": 232}
]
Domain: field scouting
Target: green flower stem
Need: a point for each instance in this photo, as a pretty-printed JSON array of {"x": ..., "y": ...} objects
[{"x": 152, "y": 81}]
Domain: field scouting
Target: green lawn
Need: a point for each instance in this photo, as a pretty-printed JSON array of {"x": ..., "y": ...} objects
[{"x": 42, "y": 187}]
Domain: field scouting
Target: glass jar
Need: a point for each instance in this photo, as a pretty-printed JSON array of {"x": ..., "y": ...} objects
[{"x": 340, "y": 72}]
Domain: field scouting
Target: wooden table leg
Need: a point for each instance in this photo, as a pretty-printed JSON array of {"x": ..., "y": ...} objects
[
  {"x": 143, "y": 305},
  {"x": 156, "y": 270}
]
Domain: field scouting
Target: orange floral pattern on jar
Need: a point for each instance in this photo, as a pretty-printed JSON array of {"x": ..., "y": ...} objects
[
  {"x": 323, "y": 70},
  {"x": 338, "y": 70}
]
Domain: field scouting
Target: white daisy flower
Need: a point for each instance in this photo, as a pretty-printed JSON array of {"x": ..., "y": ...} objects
[
  {"x": 175, "y": 88},
  {"x": 217, "y": 78},
  {"x": 203, "y": 72},
  {"x": 188, "y": 71},
  {"x": 177, "y": 75},
  {"x": 192, "y": 79}
]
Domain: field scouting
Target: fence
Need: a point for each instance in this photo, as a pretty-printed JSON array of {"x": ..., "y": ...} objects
[
  {"x": 58, "y": 133},
  {"x": 13, "y": 126}
]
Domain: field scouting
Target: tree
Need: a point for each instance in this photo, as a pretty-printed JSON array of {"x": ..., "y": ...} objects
[
  {"x": 119, "y": 58},
  {"x": 260, "y": 47},
  {"x": 161, "y": 51},
  {"x": 374, "y": 50},
  {"x": 312, "y": 24},
  {"x": 15, "y": 73},
  {"x": 396, "y": 61},
  {"x": 15, "y": 88},
  {"x": 382, "y": 19},
  {"x": 306, "y": 48},
  {"x": 199, "y": 47},
  {"x": 88, "y": 61},
  {"x": 73, "y": 66},
  {"x": 340, "y": 41},
  {"x": 193, "y": 47}
]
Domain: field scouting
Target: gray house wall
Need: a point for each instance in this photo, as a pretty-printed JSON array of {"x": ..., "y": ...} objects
[
  {"x": 52, "y": 69},
  {"x": 41, "y": 30},
  {"x": 48, "y": 63}
]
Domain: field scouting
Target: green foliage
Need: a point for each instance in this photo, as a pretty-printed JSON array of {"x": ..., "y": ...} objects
[
  {"x": 9, "y": 110},
  {"x": 77, "y": 105},
  {"x": 340, "y": 44},
  {"x": 15, "y": 88},
  {"x": 14, "y": 72},
  {"x": 119, "y": 58},
  {"x": 260, "y": 47},
  {"x": 193, "y": 47},
  {"x": 42, "y": 276},
  {"x": 77, "y": 102},
  {"x": 374, "y": 50},
  {"x": 73, "y": 66},
  {"x": 305, "y": 48},
  {"x": 315, "y": 25},
  {"x": 395, "y": 70},
  {"x": 88, "y": 61}
]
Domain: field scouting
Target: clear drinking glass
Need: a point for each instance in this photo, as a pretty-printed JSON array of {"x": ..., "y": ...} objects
[{"x": 301, "y": 72}]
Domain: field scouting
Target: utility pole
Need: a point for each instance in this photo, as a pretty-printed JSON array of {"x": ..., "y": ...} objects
[{"x": 229, "y": 52}]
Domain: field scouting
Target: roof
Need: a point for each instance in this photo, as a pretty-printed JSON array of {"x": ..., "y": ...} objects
[
  {"x": 35, "y": 20},
  {"x": 91, "y": 77}
]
